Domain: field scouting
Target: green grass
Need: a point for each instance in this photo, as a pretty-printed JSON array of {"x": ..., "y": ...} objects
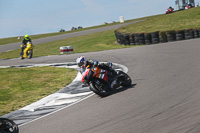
[
  {"x": 4, "y": 41},
  {"x": 22, "y": 86},
  {"x": 185, "y": 19},
  {"x": 94, "y": 42}
]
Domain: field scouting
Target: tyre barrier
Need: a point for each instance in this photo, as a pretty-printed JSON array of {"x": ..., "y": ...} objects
[
  {"x": 189, "y": 34},
  {"x": 132, "y": 39},
  {"x": 180, "y": 35},
  {"x": 119, "y": 37},
  {"x": 156, "y": 37},
  {"x": 126, "y": 39},
  {"x": 196, "y": 33},
  {"x": 171, "y": 36},
  {"x": 139, "y": 39},
  {"x": 163, "y": 37},
  {"x": 148, "y": 38}
]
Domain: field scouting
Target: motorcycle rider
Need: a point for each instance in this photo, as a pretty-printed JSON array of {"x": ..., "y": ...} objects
[
  {"x": 83, "y": 64},
  {"x": 106, "y": 76},
  {"x": 170, "y": 8},
  {"x": 24, "y": 42}
]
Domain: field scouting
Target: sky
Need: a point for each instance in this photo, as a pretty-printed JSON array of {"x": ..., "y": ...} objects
[{"x": 20, "y": 17}]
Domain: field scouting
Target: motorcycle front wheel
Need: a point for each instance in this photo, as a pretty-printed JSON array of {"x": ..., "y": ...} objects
[
  {"x": 100, "y": 89},
  {"x": 30, "y": 54},
  {"x": 8, "y": 126}
]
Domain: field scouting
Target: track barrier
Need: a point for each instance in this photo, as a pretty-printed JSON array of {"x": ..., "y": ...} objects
[{"x": 156, "y": 37}]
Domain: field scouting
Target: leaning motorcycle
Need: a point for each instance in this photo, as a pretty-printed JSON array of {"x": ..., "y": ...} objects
[
  {"x": 8, "y": 126},
  {"x": 100, "y": 81},
  {"x": 28, "y": 51}
]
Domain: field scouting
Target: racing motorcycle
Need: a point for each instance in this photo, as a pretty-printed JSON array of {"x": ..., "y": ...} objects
[
  {"x": 170, "y": 10},
  {"x": 28, "y": 51},
  {"x": 8, "y": 126},
  {"x": 101, "y": 80}
]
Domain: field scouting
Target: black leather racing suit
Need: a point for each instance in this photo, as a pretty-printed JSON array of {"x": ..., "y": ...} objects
[{"x": 24, "y": 42}]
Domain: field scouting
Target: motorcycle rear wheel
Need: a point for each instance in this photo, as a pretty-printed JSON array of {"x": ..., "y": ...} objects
[{"x": 126, "y": 82}]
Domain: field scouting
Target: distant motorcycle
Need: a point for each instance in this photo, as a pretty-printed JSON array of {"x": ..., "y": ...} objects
[
  {"x": 28, "y": 51},
  {"x": 170, "y": 10},
  {"x": 188, "y": 6},
  {"x": 8, "y": 126},
  {"x": 99, "y": 83}
]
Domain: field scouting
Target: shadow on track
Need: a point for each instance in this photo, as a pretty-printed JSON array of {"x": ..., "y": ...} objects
[{"x": 120, "y": 89}]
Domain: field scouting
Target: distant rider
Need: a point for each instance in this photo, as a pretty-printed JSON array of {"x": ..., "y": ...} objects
[
  {"x": 171, "y": 9},
  {"x": 83, "y": 63},
  {"x": 24, "y": 42}
]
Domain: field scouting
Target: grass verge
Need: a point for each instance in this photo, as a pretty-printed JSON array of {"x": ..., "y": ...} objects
[
  {"x": 15, "y": 39},
  {"x": 22, "y": 86},
  {"x": 185, "y": 19},
  {"x": 4, "y": 41}
]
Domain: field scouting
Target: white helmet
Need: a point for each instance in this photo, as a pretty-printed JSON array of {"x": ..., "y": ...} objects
[{"x": 80, "y": 61}]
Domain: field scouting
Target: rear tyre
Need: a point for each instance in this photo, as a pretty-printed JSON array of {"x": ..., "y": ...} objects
[{"x": 126, "y": 81}]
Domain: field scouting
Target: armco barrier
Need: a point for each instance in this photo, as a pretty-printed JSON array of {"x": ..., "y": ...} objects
[{"x": 156, "y": 37}]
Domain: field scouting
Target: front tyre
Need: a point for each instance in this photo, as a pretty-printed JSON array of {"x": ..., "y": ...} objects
[
  {"x": 30, "y": 54},
  {"x": 100, "y": 89}
]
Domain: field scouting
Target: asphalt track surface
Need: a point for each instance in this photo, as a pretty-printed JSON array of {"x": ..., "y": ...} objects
[{"x": 164, "y": 97}]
